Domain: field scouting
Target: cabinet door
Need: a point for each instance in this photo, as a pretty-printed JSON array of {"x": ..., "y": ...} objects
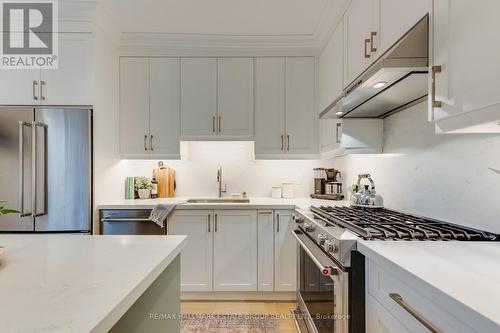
[
  {"x": 235, "y": 98},
  {"x": 19, "y": 87},
  {"x": 265, "y": 270},
  {"x": 164, "y": 111},
  {"x": 235, "y": 250},
  {"x": 393, "y": 18},
  {"x": 269, "y": 106},
  {"x": 196, "y": 258},
  {"x": 134, "y": 107},
  {"x": 198, "y": 98},
  {"x": 465, "y": 35},
  {"x": 357, "y": 28},
  {"x": 330, "y": 134},
  {"x": 331, "y": 69},
  {"x": 72, "y": 82},
  {"x": 379, "y": 320},
  {"x": 300, "y": 106},
  {"x": 285, "y": 252}
]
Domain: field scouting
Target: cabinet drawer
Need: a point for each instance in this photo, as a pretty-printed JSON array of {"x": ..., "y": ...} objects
[
  {"x": 382, "y": 284},
  {"x": 379, "y": 320},
  {"x": 128, "y": 222}
]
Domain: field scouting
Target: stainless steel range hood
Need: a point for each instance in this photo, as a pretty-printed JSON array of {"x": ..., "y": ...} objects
[{"x": 397, "y": 80}]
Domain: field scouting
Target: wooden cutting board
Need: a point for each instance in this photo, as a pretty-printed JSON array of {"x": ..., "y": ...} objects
[{"x": 166, "y": 182}]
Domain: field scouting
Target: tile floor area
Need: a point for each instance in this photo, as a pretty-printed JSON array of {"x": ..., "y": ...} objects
[{"x": 281, "y": 309}]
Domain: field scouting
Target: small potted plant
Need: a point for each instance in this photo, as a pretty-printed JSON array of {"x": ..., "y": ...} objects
[{"x": 143, "y": 186}]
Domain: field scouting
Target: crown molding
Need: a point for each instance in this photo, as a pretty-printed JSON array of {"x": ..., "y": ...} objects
[{"x": 331, "y": 18}]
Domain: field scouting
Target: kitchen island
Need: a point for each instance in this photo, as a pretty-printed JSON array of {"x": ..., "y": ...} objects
[{"x": 80, "y": 283}]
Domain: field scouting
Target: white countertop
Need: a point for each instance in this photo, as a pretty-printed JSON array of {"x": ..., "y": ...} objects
[
  {"x": 255, "y": 203},
  {"x": 463, "y": 272},
  {"x": 77, "y": 283}
]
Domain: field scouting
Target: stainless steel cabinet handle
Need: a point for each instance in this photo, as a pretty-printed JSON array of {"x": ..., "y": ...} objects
[
  {"x": 435, "y": 70},
  {"x": 337, "y": 133},
  {"x": 277, "y": 225},
  {"x": 208, "y": 222},
  {"x": 219, "y": 125},
  {"x": 42, "y": 83},
  {"x": 372, "y": 36},
  {"x": 367, "y": 55},
  {"x": 35, "y": 97},
  {"x": 215, "y": 222},
  {"x": 126, "y": 219},
  {"x": 288, "y": 142},
  {"x": 22, "y": 213},
  {"x": 145, "y": 143},
  {"x": 401, "y": 302},
  {"x": 151, "y": 142},
  {"x": 213, "y": 124},
  {"x": 282, "y": 142}
]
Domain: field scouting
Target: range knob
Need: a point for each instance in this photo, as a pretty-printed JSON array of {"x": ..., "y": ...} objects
[
  {"x": 321, "y": 239},
  {"x": 308, "y": 227},
  {"x": 298, "y": 219},
  {"x": 330, "y": 246}
]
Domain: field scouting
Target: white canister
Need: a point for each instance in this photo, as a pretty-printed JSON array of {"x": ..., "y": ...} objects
[
  {"x": 276, "y": 192},
  {"x": 288, "y": 190}
]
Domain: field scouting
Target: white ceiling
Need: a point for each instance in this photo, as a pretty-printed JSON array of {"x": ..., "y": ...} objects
[{"x": 224, "y": 17}]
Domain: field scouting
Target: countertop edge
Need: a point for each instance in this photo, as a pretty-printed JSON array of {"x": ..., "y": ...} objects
[
  {"x": 109, "y": 320},
  {"x": 475, "y": 319}
]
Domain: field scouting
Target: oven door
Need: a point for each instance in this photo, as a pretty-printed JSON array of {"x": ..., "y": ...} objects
[{"x": 322, "y": 288}]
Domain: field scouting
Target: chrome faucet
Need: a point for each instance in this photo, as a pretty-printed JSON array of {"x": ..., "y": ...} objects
[{"x": 219, "y": 180}]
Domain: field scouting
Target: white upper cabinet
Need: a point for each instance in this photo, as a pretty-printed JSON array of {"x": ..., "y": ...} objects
[
  {"x": 331, "y": 69},
  {"x": 466, "y": 66},
  {"x": 149, "y": 108},
  {"x": 70, "y": 84},
  {"x": 196, "y": 258},
  {"x": 198, "y": 98},
  {"x": 285, "y": 102},
  {"x": 300, "y": 120},
  {"x": 164, "y": 107},
  {"x": 358, "y": 23},
  {"x": 235, "y": 98},
  {"x": 235, "y": 250},
  {"x": 134, "y": 107},
  {"x": 269, "y": 106},
  {"x": 393, "y": 18}
]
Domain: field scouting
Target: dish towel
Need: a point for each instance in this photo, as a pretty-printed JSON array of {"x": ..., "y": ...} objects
[{"x": 160, "y": 213}]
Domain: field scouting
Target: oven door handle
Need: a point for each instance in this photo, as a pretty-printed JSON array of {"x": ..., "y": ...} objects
[{"x": 322, "y": 261}]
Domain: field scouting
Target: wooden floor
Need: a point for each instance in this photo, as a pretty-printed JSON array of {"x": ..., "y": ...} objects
[{"x": 280, "y": 309}]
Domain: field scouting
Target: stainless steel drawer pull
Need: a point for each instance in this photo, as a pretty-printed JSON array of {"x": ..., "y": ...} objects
[
  {"x": 151, "y": 142},
  {"x": 215, "y": 222},
  {"x": 213, "y": 124},
  {"x": 145, "y": 143},
  {"x": 288, "y": 142},
  {"x": 220, "y": 126},
  {"x": 208, "y": 222},
  {"x": 125, "y": 219},
  {"x": 42, "y": 83},
  {"x": 282, "y": 142},
  {"x": 401, "y": 302}
]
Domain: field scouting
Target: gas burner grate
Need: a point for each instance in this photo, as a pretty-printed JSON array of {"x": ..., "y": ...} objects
[{"x": 384, "y": 224}]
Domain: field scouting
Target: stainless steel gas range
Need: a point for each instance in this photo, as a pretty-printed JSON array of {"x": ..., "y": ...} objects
[{"x": 331, "y": 273}]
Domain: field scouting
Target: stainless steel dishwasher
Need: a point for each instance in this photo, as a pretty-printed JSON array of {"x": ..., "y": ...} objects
[{"x": 128, "y": 222}]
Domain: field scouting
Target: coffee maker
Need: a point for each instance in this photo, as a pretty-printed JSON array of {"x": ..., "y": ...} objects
[{"x": 327, "y": 184}]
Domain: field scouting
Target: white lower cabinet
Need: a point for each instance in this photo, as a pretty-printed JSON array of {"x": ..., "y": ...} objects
[
  {"x": 265, "y": 250},
  {"x": 395, "y": 304},
  {"x": 235, "y": 250},
  {"x": 285, "y": 252},
  {"x": 196, "y": 257},
  {"x": 379, "y": 320}
]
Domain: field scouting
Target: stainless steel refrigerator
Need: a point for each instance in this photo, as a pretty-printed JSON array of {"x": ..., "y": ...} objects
[{"x": 46, "y": 169}]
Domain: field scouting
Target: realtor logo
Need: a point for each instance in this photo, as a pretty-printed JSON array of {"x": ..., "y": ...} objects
[{"x": 29, "y": 34}]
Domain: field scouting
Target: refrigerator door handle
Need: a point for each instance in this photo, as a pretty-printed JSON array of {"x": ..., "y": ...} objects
[
  {"x": 22, "y": 211},
  {"x": 34, "y": 168}
]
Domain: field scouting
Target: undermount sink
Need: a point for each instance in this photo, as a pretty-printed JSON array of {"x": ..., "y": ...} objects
[{"x": 219, "y": 200}]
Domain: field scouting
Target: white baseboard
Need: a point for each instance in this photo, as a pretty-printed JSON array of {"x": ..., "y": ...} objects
[{"x": 238, "y": 296}]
